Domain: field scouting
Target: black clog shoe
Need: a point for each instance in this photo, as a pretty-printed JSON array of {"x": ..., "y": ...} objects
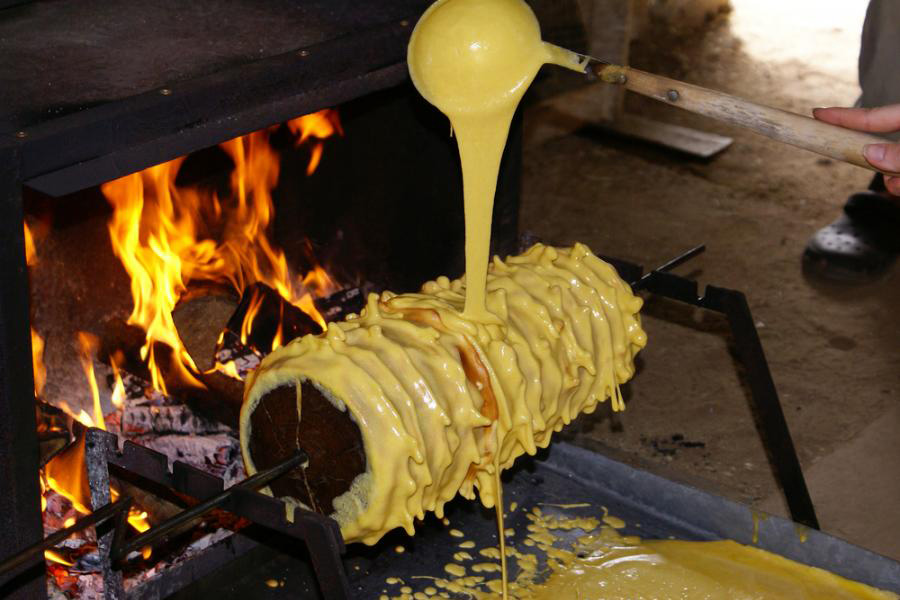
[{"x": 861, "y": 245}]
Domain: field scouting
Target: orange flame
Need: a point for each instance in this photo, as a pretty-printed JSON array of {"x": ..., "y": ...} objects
[
  {"x": 320, "y": 125},
  {"x": 37, "y": 362},
  {"x": 66, "y": 474},
  {"x": 37, "y": 342},
  {"x": 229, "y": 369},
  {"x": 87, "y": 346},
  {"x": 30, "y": 252},
  {"x": 118, "y": 391},
  {"x": 320, "y": 281},
  {"x": 168, "y": 236},
  {"x": 278, "y": 338},
  {"x": 256, "y": 302},
  {"x": 54, "y": 556},
  {"x": 139, "y": 519},
  {"x": 152, "y": 242}
]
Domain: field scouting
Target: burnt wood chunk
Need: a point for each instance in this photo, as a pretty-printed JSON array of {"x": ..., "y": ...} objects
[
  {"x": 329, "y": 437},
  {"x": 120, "y": 345},
  {"x": 200, "y": 317},
  {"x": 220, "y": 400},
  {"x": 272, "y": 312},
  {"x": 220, "y": 396}
]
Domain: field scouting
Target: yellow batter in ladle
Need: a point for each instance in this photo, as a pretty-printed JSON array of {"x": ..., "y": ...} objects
[{"x": 474, "y": 59}]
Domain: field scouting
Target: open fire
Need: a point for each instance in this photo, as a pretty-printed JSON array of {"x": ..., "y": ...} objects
[
  {"x": 168, "y": 237},
  {"x": 171, "y": 238}
]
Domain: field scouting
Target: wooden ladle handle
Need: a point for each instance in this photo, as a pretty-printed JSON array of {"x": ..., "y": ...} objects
[{"x": 804, "y": 132}]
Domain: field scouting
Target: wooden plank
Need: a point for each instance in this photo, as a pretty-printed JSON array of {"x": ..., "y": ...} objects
[
  {"x": 569, "y": 112},
  {"x": 684, "y": 139}
]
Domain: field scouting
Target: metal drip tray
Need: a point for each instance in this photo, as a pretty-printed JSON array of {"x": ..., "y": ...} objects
[{"x": 652, "y": 507}]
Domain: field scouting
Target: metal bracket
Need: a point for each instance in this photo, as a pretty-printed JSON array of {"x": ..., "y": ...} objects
[
  {"x": 772, "y": 426},
  {"x": 321, "y": 534}
]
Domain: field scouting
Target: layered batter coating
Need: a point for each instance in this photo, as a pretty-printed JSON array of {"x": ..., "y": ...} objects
[{"x": 444, "y": 401}]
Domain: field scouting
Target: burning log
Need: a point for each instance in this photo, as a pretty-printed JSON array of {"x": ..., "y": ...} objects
[
  {"x": 344, "y": 302},
  {"x": 120, "y": 345},
  {"x": 217, "y": 454},
  {"x": 219, "y": 399},
  {"x": 204, "y": 317},
  {"x": 214, "y": 395},
  {"x": 200, "y": 317},
  {"x": 178, "y": 419},
  {"x": 265, "y": 320},
  {"x": 52, "y": 430}
]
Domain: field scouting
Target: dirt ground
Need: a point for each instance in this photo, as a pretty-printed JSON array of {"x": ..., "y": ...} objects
[{"x": 833, "y": 350}]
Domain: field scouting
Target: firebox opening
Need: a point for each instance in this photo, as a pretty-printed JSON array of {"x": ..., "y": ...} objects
[{"x": 154, "y": 295}]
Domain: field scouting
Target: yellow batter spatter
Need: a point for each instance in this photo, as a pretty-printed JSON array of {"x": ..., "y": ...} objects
[
  {"x": 455, "y": 570},
  {"x": 444, "y": 402},
  {"x": 474, "y": 60},
  {"x": 602, "y": 564}
]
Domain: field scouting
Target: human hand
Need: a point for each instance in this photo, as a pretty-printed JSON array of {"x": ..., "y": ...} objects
[{"x": 883, "y": 119}]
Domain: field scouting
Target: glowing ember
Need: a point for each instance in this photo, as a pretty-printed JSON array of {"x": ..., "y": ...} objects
[{"x": 167, "y": 236}]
